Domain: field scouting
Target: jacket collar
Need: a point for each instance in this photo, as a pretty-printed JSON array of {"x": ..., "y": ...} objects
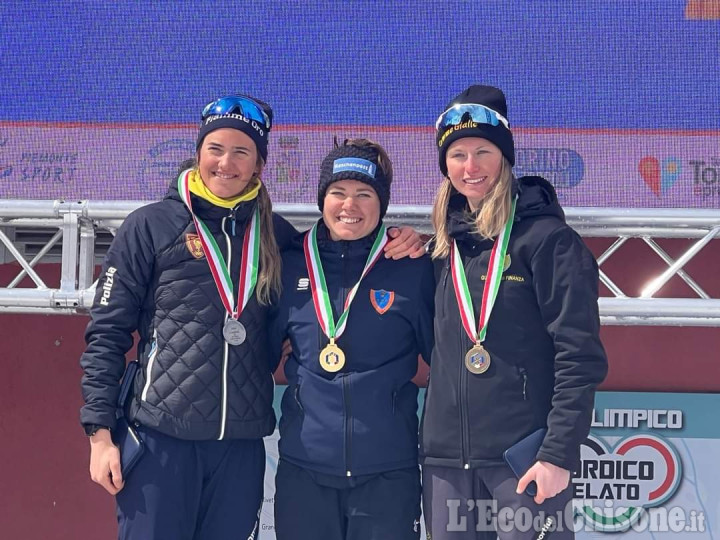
[
  {"x": 351, "y": 248},
  {"x": 207, "y": 211}
]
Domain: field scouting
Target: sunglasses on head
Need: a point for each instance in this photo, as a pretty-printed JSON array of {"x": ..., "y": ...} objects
[
  {"x": 470, "y": 111},
  {"x": 241, "y": 105}
]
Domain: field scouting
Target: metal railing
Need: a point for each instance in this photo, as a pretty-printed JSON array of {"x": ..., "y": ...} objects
[{"x": 79, "y": 225}]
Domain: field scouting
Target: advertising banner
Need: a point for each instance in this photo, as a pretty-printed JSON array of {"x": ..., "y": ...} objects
[
  {"x": 648, "y": 471},
  {"x": 587, "y": 168}
]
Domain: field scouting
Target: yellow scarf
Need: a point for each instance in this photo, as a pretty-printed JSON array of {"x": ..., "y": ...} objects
[{"x": 198, "y": 187}]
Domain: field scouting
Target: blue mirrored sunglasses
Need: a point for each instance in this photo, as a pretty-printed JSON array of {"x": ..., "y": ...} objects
[
  {"x": 474, "y": 111},
  {"x": 237, "y": 105}
]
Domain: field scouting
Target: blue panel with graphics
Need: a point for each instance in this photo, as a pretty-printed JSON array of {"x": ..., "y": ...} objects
[{"x": 592, "y": 64}]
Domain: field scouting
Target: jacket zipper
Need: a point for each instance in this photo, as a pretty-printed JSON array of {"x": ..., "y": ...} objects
[
  {"x": 348, "y": 424},
  {"x": 523, "y": 374},
  {"x": 446, "y": 272},
  {"x": 464, "y": 428},
  {"x": 148, "y": 370},
  {"x": 226, "y": 346},
  {"x": 346, "y": 384},
  {"x": 462, "y": 385}
]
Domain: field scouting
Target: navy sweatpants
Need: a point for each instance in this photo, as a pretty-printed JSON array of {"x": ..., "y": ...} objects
[
  {"x": 481, "y": 504},
  {"x": 192, "y": 490},
  {"x": 382, "y": 506}
]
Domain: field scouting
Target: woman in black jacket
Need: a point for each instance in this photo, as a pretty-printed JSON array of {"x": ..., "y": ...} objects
[
  {"x": 517, "y": 345},
  {"x": 193, "y": 274}
]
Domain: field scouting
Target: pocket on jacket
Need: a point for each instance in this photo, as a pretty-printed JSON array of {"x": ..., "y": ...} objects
[
  {"x": 312, "y": 422},
  {"x": 291, "y": 404},
  {"x": 506, "y": 394},
  {"x": 296, "y": 395}
]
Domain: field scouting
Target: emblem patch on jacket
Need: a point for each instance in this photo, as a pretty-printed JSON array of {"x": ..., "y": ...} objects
[
  {"x": 381, "y": 300},
  {"x": 507, "y": 262},
  {"x": 192, "y": 242}
]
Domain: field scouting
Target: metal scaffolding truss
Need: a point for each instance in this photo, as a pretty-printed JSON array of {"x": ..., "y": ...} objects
[{"x": 77, "y": 233}]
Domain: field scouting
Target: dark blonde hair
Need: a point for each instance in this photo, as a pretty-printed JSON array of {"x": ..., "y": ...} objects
[
  {"x": 494, "y": 210},
  {"x": 269, "y": 281}
]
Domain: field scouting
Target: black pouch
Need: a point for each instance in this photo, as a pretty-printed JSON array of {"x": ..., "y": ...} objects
[
  {"x": 522, "y": 455},
  {"x": 125, "y": 436}
]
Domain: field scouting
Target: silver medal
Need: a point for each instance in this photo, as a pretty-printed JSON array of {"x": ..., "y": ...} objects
[{"x": 234, "y": 332}]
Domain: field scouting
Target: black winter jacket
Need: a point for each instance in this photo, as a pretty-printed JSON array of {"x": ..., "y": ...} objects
[
  {"x": 155, "y": 279},
  {"x": 543, "y": 338},
  {"x": 362, "y": 419}
]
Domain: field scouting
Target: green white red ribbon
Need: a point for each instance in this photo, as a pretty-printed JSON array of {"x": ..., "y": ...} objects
[
  {"x": 492, "y": 282},
  {"x": 218, "y": 267},
  {"x": 323, "y": 308}
]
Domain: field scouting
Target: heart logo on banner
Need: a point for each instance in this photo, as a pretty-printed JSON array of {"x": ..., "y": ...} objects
[
  {"x": 649, "y": 168},
  {"x": 639, "y": 472},
  {"x": 659, "y": 177}
]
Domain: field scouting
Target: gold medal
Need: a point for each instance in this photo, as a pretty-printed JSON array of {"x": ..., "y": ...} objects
[
  {"x": 477, "y": 359},
  {"x": 332, "y": 358}
]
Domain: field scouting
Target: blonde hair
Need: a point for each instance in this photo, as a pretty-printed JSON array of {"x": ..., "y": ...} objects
[
  {"x": 269, "y": 281},
  {"x": 493, "y": 214}
]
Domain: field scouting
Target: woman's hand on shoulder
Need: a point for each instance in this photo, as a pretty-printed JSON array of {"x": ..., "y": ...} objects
[
  {"x": 404, "y": 242},
  {"x": 550, "y": 480}
]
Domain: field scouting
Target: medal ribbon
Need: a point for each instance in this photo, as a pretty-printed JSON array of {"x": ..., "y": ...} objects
[
  {"x": 492, "y": 282},
  {"x": 323, "y": 308},
  {"x": 218, "y": 267}
]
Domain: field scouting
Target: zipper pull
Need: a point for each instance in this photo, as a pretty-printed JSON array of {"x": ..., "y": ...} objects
[
  {"x": 232, "y": 218},
  {"x": 523, "y": 372}
]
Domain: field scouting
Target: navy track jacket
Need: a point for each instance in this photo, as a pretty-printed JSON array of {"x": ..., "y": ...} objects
[{"x": 362, "y": 419}]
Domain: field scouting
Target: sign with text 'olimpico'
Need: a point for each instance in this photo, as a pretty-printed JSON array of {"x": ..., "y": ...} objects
[{"x": 648, "y": 470}]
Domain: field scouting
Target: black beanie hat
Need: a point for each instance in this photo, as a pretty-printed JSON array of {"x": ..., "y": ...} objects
[
  {"x": 352, "y": 162},
  {"x": 235, "y": 118},
  {"x": 500, "y": 135}
]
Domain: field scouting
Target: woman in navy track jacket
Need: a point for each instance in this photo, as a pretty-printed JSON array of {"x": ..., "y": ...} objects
[{"x": 357, "y": 322}]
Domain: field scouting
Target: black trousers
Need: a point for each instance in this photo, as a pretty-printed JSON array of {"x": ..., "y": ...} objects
[
  {"x": 192, "y": 490},
  {"x": 383, "y": 506},
  {"x": 481, "y": 504}
]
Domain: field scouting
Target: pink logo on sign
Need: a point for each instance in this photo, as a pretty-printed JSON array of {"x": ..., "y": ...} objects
[{"x": 659, "y": 176}]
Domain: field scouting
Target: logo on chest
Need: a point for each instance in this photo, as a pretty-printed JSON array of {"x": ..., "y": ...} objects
[
  {"x": 194, "y": 246},
  {"x": 381, "y": 299},
  {"x": 303, "y": 284}
]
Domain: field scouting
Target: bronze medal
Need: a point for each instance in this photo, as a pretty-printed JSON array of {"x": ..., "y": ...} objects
[
  {"x": 477, "y": 359},
  {"x": 332, "y": 358}
]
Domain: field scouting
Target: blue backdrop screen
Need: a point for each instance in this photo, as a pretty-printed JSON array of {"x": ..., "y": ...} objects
[{"x": 617, "y": 103}]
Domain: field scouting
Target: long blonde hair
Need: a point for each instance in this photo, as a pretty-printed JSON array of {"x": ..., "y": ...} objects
[
  {"x": 489, "y": 222},
  {"x": 269, "y": 281}
]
